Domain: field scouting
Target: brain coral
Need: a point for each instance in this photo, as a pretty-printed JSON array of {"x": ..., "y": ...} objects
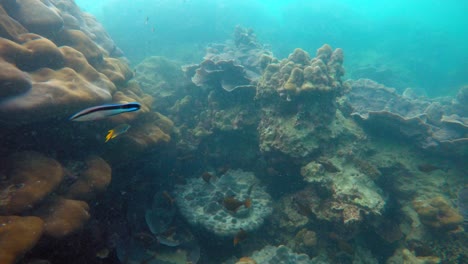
[{"x": 201, "y": 203}]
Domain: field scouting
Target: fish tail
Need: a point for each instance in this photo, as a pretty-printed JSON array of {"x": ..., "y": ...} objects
[
  {"x": 110, "y": 135},
  {"x": 248, "y": 203}
]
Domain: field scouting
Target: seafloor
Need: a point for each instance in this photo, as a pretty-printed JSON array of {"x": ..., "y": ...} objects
[{"x": 241, "y": 158}]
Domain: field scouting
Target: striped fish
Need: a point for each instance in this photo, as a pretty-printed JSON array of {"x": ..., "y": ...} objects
[{"x": 104, "y": 111}]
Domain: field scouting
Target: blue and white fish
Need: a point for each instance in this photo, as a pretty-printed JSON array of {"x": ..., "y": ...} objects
[{"x": 104, "y": 111}]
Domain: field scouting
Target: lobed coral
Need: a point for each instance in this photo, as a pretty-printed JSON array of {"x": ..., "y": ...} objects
[
  {"x": 37, "y": 185},
  {"x": 18, "y": 234},
  {"x": 301, "y": 74},
  {"x": 30, "y": 178},
  {"x": 437, "y": 213}
]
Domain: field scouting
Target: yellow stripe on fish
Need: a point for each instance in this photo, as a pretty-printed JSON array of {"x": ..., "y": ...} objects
[{"x": 117, "y": 131}]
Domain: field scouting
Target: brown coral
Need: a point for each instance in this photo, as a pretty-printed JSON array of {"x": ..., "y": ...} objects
[
  {"x": 81, "y": 42},
  {"x": 33, "y": 176},
  {"x": 246, "y": 260},
  {"x": 61, "y": 81},
  {"x": 92, "y": 180},
  {"x": 437, "y": 213},
  {"x": 306, "y": 238},
  {"x": 18, "y": 235},
  {"x": 62, "y": 216},
  {"x": 299, "y": 74}
]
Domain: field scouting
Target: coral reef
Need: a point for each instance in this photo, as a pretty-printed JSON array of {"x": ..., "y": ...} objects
[
  {"x": 163, "y": 80},
  {"x": 62, "y": 216},
  {"x": 280, "y": 255},
  {"x": 437, "y": 213},
  {"x": 34, "y": 184},
  {"x": 430, "y": 123},
  {"x": 201, "y": 203},
  {"x": 58, "y": 68},
  {"x": 18, "y": 234},
  {"x": 30, "y": 178},
  {"x": 95, "y": 178},
  {"x": 301, "y": 74},
  {"x": 235, "y": 64},
  {"x": 303, "y": 117},
  {"x": 354, "y": 192}
]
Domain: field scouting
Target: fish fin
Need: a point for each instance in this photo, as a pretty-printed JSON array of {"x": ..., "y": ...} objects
[
  {"x": 110, "y": 135},
  {"x": 248, "y": 203}
]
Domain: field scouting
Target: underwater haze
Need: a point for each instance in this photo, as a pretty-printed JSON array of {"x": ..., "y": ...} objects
[
  {"x": 233, "y": 132},
  {"x": 418, "y": 44}
]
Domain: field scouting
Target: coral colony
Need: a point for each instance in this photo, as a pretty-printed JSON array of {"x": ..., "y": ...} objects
[{"x": 242, "y": 158}]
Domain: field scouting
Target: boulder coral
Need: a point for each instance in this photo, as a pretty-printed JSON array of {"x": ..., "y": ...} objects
[
  {"x": 18, "y": 234},
  {"x": 34, "y": 184},
  {"x": 62, "y": 216},
  {"x": 94, "y": 179},
  {"x": 300, "y": 73},
  {"x": 437, "y": 213},
  {"x": 54, "y": 91},
  {"x": 57, "y": 60},
  {"x": 30, "y": 178}
]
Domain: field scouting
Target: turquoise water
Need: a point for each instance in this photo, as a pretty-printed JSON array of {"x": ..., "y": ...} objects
[
  {"x": 203, "y": 131},
  {"x": 418, "y": 44}
]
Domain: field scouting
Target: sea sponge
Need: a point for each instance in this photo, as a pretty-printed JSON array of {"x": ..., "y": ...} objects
[
  {"x": 33, "y": 176},
  {"x": 92, "y": 180},
  {"x": 437, "y": 213},
  {"x": 62, "y": 216},
  {"x": 17, "y": 235}
]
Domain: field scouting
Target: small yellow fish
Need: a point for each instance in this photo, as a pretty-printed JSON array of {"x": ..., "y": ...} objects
[{"x": 117, "y": 131}]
